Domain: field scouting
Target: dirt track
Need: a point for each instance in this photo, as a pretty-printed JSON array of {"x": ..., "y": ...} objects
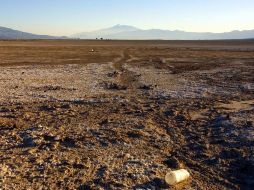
[{"x": 124, "y": 115}]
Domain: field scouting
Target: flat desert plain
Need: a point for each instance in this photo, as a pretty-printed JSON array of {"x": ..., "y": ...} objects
[{"x": 121, "y": 114}]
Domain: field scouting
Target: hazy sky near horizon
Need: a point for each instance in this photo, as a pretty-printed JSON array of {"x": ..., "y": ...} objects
[{"x": 66, "y": 17}]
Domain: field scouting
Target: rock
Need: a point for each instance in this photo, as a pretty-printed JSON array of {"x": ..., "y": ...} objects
[
  {"x": 146, "y": 87},
  {"x": 159, "y": 183},
  {"x": 222, "y": 121},
  {"x": 57, "y": 137},
  {"x": 49, "y": 138},
  {"x": 127, "y": 156},
  {"x": 169, "y": 113},
  {"x": 55, "y": 145},
  {"x": 104, "y": 122},
  {"x": 84, "y": 187},
  {"x": 31, "y": 151},
  {"x": 133, "y": 135},
  {"x": 180, "y": 118},
  {"x": 4, "y": 169},
  {"x": 246, "y": 87},
  {"x": 66, "y": 106},
  {"x": 28, "y": 142},
  {"x": 172, "y": 162},
  {"x": 113, "y": 74},
  {"x": 114, "y": 86}
]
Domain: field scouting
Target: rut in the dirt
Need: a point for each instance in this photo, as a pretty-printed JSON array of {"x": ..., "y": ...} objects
[{"x": 124, "y": 79}]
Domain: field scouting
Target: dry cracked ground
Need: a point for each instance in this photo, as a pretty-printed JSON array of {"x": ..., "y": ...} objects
[{"x": 123, "y": 115}]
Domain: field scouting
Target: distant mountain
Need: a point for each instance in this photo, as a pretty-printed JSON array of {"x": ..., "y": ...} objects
[
  {"x": 130, "y": 32},
  {"x": 117, "y": 29},
  {"x": 7, "y": 33}
]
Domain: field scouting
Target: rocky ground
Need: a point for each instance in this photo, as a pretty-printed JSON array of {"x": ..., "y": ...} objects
[{"x": 123, "y": 115}]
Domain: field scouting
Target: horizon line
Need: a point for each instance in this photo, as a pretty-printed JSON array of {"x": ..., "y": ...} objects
[{"x": 138, "y": 28}]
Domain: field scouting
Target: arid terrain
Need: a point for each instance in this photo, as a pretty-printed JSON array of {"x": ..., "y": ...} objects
[{"x": 121, "y": 114}]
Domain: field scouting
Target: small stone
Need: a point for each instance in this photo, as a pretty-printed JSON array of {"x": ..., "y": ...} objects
[
  {"x": 3, "y": 170},
  {"x": 31, "y": 151},
  {"x": 57, "y": 137},
  {"x": 127, "y": 156}
]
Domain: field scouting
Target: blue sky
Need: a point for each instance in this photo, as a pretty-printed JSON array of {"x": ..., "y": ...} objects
[{"x": 65, "y": 17}]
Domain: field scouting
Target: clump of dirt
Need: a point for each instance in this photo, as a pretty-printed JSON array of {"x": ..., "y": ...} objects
[{"x": 113, "y": 86}]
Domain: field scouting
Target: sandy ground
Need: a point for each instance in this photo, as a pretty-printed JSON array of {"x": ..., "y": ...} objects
[{"x": 124, "y": 115}]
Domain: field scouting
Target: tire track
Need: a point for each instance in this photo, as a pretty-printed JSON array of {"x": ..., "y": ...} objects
[{"x": 125, "y": 77}]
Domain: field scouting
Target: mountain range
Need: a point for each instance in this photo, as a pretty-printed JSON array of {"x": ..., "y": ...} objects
[
  {"x": 126, "y": 32},
  {"x": 8, "y": 33},
  {"x": 130, "y": 32}
]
